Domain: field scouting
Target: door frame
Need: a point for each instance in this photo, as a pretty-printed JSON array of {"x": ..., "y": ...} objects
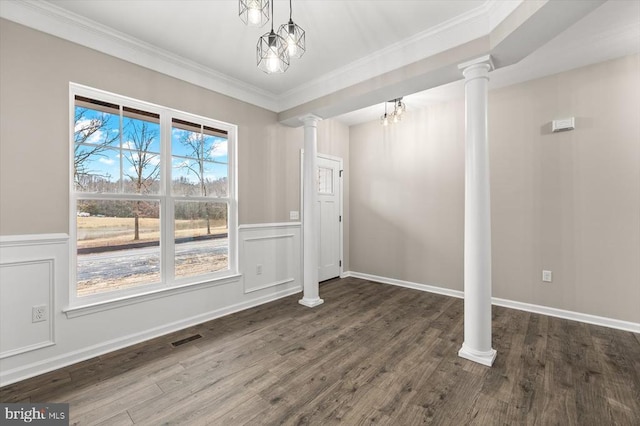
[{"x": 340, "y": 200}]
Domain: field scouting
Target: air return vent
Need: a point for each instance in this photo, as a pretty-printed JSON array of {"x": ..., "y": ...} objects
[{"x": 563, "y": 125}]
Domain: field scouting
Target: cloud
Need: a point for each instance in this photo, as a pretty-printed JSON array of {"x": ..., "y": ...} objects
[
  {"x": 82, "y": 130},
  {"x": 107, "y": 161},
  {"x": 81, "y": 124},
  {"x": 220, "y": 149}
]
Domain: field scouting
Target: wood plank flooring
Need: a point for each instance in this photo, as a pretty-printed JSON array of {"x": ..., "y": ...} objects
[{"x": 372, "y": 354}]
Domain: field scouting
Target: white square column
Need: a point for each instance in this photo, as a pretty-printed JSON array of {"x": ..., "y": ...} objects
[
  {"x": 310, "y": 224},
  {"x": 477, "y": 216}
]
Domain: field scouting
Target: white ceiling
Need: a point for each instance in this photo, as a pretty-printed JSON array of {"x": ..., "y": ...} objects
[
  {"x": 348, "y": 41},
  {"x": 211, "y": 34},
  {"x": 610, "y": 31}
]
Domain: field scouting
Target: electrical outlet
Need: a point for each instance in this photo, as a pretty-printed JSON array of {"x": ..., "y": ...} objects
[
  {"x": 547, "y": 276},
  {"x": 258, "y": 269},
  {"x": 39, "y": 313}
]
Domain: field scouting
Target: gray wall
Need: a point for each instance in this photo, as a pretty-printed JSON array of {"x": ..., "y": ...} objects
[{"x": 567, "y": 202}]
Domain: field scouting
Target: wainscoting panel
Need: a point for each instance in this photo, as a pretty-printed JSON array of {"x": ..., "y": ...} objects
[
  {"x": 27, "y": 281},
  {"x": 270, "y": 256}
]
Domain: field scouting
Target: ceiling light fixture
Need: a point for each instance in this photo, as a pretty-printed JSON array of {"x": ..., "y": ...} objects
[
  {"x": 384, "y": 119},
  {"x": 399, "y": 109},
  {"x": 294, "y": 36},
  {"x": 272, "y": 52},
  {"x": 254, "y": 13}
]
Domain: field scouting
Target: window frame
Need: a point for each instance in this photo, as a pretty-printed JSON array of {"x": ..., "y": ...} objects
[{"x": 164, "y": 196}]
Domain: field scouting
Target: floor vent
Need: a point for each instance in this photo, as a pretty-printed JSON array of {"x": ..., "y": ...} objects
[{"x": 186, "y": 340}]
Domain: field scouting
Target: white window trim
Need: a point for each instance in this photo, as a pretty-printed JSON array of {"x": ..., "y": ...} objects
[{"x": 169, "y": 285}]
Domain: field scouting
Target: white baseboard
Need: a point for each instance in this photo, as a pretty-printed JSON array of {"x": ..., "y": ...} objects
[
  {"x": 570, "y": 315},
  {"x": 27, "y": 371},
  {"x": 407, "y": 284},
  {"x": 521, "y": 306}
]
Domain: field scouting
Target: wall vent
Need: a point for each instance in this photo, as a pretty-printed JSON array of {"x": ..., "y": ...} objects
[{"x": 563, "y": 125}]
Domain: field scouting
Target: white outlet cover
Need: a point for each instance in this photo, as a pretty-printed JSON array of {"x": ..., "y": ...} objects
[
  {"x": 39, "y": 313},
  {"x": 294, "y": 215},
  {"x": 547, "y": 276}
]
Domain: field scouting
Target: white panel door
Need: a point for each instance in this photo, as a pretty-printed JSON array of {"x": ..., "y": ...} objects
[{"x": 328, "y": 211}]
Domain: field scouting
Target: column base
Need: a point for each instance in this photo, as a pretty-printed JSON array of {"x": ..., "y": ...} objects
[
  {"x": 311, "y": 303},
  {"x": 484, "y": 358}
]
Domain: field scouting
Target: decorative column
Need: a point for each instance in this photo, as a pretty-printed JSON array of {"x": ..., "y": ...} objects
[
  {"x": 477, "y": 216},
  {"x": 310, "y": 225}
]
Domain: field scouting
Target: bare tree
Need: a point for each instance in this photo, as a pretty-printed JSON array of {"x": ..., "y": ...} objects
[
  {"x": 145, "y": 165},
  {"x": 200, "y": 152},
  {"x": 86, "y": 147}
]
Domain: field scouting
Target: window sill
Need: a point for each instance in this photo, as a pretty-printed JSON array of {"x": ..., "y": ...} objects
[{"x": 92, "y": 308}]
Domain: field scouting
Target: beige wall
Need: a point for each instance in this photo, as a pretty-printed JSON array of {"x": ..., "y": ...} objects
[
  {"x": 567, "y": 202},
  {"x": 407, "y": 193},
  {"x": 35, "y": 71}
]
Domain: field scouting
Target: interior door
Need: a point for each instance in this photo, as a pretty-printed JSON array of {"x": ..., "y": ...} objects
[{"x": 328, "y": 211}]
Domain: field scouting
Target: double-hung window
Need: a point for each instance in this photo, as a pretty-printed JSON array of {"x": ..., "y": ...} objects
[{"x": 153, "y": 202}]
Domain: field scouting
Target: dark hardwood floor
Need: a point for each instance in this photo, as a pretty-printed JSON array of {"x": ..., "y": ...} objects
[{"x": 372, "y": 354}]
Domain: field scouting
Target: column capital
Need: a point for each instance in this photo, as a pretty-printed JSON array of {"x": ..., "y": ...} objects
[
  {"x": 477, "y": 67},
  {"x": 310, "y": 120}
]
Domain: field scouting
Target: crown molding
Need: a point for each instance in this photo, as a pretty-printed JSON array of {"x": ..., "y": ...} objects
[
  {"x": 463, "y": 28},
  {"x": 497, "y": 11},
  {"x": 49, "y": 18}
]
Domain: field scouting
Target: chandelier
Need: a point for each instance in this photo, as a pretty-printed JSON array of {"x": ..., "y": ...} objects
[
  {"x": 273, "y": 50},
  {"x": 254, "y": 13},
  {"x": 399, "y": 108}
]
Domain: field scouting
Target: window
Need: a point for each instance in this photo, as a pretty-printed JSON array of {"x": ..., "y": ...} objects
[{"x": 152, "y": 200}]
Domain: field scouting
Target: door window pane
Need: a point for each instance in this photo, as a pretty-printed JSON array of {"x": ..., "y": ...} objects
[{"x": 325, "y": 180}]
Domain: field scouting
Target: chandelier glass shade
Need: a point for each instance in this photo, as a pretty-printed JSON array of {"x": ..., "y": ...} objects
[{"x": 254, "y": 13}]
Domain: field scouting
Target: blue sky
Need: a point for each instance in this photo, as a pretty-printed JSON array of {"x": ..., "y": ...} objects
[{"x": 107, "y": 162}]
